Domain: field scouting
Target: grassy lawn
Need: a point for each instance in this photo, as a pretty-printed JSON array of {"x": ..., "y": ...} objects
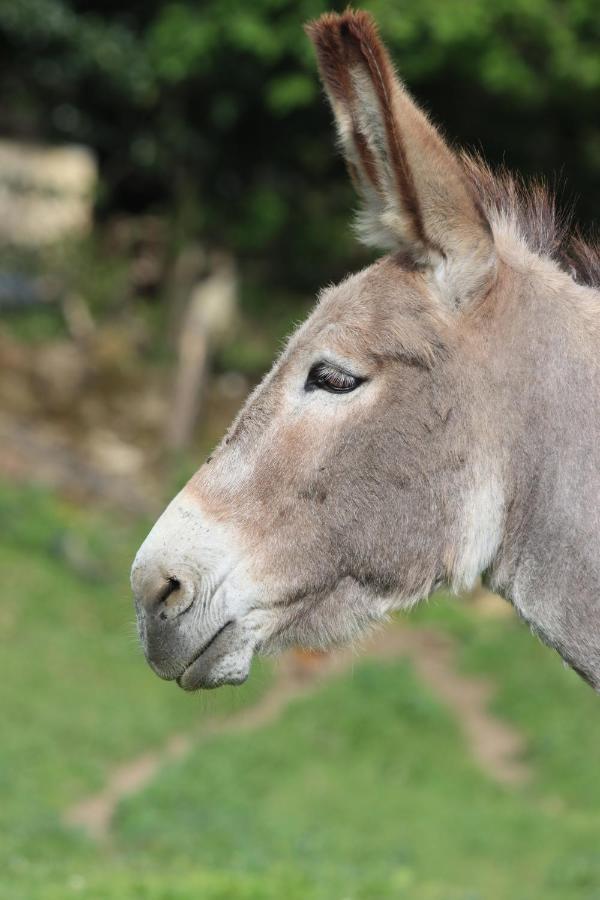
[
  {"x": 76, "y": 696},
  {"x": 363, "y": 790}
]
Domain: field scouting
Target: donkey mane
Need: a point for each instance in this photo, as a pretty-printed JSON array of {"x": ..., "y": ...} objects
[{"x": 530, "y": 208}]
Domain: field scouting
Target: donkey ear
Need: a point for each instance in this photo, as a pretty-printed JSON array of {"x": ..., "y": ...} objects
[{"x": 416, "y": 198}]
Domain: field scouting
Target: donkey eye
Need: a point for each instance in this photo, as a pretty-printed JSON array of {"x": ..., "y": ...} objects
[{"x": 325, "y": 377}]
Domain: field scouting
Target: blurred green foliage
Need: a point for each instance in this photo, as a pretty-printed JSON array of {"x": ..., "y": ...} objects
[{"x": 211, "y": 110}]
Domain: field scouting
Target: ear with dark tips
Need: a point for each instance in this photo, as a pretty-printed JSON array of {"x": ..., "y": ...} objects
[{"x": 416, "y": 197}]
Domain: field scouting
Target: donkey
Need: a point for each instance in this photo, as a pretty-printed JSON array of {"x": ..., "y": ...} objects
[{"x": 434, "y": 419}]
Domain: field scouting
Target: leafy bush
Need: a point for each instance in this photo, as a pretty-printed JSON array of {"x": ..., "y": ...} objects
[{"x": 211, "y": 111}]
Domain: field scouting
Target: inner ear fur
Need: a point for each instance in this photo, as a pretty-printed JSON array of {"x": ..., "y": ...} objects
[{"x": 416, "y": 197}]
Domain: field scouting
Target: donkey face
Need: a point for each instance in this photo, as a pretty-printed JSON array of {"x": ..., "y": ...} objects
[{"x": 341, "y": 489}]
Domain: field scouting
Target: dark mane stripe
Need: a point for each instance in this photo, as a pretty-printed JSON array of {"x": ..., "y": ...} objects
[{"x": 546, "y": 230}]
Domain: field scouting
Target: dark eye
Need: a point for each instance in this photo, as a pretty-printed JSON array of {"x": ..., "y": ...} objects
[{"x": 326, "y": 377}]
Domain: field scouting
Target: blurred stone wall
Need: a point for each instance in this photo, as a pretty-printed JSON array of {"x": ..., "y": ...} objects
[{"x": 46, "y": 193}]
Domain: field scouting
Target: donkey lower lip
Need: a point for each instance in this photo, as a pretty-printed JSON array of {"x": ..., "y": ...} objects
[{"x": 202, "y": 651}]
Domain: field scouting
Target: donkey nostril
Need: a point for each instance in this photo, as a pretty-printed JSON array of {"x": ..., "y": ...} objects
[
  {"x": 164, "y": 596},
  {"x": 173, "y": 598},
  {"x": 172, "y": 585}
]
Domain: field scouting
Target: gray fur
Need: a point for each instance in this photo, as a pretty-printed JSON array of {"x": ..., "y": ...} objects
[{"x": 472, "y": 447}]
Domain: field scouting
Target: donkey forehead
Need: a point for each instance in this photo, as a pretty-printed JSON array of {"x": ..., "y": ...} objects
[
  {"x": 381, "y": 311},
  {"x": 381, "y": 287}
]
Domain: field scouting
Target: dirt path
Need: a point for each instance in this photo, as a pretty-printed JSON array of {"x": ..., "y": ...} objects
[{"x": 494, "y": 744}]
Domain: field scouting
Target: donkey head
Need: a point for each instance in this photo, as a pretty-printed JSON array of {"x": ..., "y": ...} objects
[{"x": 350, "y": 482}]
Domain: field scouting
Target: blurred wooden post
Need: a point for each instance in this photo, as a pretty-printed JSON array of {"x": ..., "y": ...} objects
[
  {"x": 189, "y": 269},
  {"x": 208, "y": 318}
]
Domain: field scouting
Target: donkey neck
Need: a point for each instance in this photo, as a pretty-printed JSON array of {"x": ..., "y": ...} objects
[{"x": 548, "y": 563}]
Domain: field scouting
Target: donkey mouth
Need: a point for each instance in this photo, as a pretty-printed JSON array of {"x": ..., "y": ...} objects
[{"x": 210, "y": 668}]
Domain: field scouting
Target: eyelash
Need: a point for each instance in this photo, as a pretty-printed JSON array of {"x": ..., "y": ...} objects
[{"x": 325, "y": 377}]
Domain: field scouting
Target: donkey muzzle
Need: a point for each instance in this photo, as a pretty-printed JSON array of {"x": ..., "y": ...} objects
[{"x": 187, "y": 626}]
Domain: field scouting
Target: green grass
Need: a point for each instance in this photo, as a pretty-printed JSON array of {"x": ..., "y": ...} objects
[
  {"x": 76, "y": 696},
  {"x": 364, "y": 790}
]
